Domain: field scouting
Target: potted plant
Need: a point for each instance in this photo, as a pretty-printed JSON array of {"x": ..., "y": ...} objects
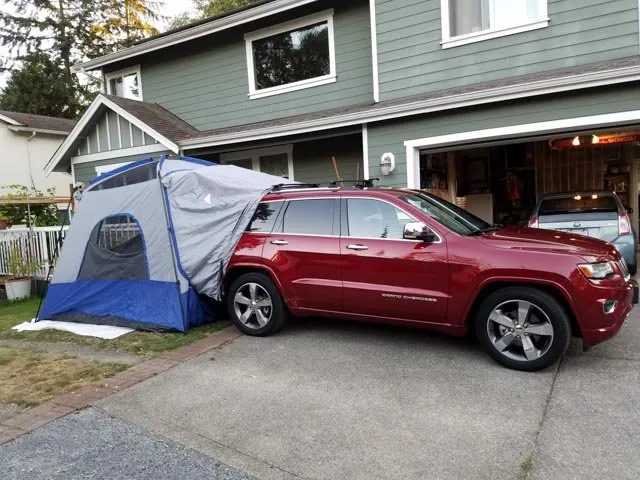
[{"x": 21, "y": 269}]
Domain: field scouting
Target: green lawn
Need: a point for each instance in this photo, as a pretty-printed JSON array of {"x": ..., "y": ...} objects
[{"x": 144, "y": 344}]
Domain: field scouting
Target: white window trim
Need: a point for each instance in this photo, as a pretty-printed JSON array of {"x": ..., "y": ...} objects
[
  {"x": 448, "y": 41},
  {"x": 121, "y": 73},
  {"x": 107, "y": 168},
  {"x": 255, "y": 155},
  {"x": 326, "y": 15}
]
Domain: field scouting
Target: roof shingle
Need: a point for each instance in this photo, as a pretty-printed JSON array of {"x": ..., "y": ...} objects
[{"x": 41, "y": 122}]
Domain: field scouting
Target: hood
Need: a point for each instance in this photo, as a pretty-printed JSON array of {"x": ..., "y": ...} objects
[{"x": 534, "y": 239}]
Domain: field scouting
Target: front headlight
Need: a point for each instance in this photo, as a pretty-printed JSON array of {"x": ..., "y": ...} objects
[{"x": 596, "y": 271}]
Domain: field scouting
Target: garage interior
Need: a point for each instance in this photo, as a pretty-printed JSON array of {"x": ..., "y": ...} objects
[{"x": 501, "y": 182}]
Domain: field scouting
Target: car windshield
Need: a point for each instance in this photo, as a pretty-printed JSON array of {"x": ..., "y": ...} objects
[
  {"x": 448, "y": 214},
  {"x": 582, "y": 203}
]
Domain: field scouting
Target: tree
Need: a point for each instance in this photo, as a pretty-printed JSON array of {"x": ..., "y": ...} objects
[
  {"x": 72, "y": 31},
  {"x": 40, "y": 87},
  {"x": 40, "y": 215},
  {"x": 209, "y": 8}
]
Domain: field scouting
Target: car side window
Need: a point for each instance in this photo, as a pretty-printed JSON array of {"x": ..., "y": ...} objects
[
  {"x": 368, "y": 218},
  {"x": 309, "y": 217},
  {"x": 265, "y": 217}
]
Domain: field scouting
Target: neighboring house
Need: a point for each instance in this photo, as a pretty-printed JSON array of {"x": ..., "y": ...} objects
[
  {"x": 489, "y": 103},
  {"x": 28, "y": 142}
]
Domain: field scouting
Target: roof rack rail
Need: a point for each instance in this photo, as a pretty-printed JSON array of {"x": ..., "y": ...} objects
[
  {"x": 286, "y": 186},
  {"x": 356, "y": 183}
]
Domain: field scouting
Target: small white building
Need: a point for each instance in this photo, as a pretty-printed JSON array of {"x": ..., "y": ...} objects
[{"x": 27, "y": 142}]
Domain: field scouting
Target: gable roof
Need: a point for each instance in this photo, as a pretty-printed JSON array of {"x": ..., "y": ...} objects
[
  {"x": 234, "y": 18},
  {"x": 152, "y": 119},
  {"x": 39, "y": 123}
]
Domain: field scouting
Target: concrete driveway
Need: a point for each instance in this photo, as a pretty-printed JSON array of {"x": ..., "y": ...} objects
[{"x": 334, "y": 400}]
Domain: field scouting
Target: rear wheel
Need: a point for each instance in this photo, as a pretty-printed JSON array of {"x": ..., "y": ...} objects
[
  {"x": 633, "y": 269},
  {"x": 255, "y": 305},
  {"x": 523, "y": 328}
]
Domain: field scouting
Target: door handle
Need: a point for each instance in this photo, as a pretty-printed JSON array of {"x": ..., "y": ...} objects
[
  {"x": 279, "y": 242},
  {"x": 358, "y": 247}
]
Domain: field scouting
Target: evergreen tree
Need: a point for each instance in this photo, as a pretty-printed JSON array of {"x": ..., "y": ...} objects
[
  {"x": 209, "y": 8},
  {"x": 39, "y": 87},
  {"x": 72, "y": 31}
]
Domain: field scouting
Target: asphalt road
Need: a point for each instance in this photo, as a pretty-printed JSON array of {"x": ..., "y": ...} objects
[{"x": 334, "y": 400}]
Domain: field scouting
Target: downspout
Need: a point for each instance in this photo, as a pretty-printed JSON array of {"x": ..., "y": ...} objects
[{"x": 33, "y": 183}]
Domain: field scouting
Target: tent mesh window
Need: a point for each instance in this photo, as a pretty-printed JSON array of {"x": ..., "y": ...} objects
[
  {"x": 115, "y": 251},
  {"x": 140, "y": 174}
]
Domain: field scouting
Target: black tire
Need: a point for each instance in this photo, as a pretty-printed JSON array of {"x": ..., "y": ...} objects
[
  {"x": 548, "y": 348},
  {"x": 278, "y": 314},
  {"x": 633, "y": 269}
]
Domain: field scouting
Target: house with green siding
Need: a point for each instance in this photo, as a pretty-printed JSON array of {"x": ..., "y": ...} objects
[{"x": 487, "y": 103}]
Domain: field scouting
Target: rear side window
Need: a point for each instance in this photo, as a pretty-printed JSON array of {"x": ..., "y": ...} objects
[
  {"x": 265, "y": 217},
  {"x": 309, "y": 217},
  {"x": 578, "y": 204}
]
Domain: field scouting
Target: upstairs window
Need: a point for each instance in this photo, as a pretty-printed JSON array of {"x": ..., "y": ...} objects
[
  {"x": 467, "y": 21},
  {"x": 291, "y": 56},
  {"x": 125, "y": 83}
]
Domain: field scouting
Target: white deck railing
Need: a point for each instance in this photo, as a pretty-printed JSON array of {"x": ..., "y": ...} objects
[{"x": 38, "y": 243}]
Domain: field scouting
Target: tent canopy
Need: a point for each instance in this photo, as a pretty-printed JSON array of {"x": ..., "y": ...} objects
[{"x": 150, "y": 240}]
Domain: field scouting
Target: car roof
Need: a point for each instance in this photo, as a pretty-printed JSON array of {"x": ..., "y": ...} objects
[{"x": 321, "y": 192}]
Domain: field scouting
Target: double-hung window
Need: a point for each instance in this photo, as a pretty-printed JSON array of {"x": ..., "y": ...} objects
[
  {"x": 125, "y": 83},
  {"x": 291, "y": 56},
  {"x": 467, "y": 21}
]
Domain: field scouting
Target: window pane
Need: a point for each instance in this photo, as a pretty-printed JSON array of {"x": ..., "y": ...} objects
[
  {"x": 578, "y": 204},
  {"x": 509, "y": 13},
  {"x": 311, "y": 217},
  {"x": 468, "y": 16},
  {"x": 376, "y": 219},
  {"x": 127, "y": 86},
  {"x": 120, "y": 234},
  {"x": 265, "y": 217},
  {"x": 292, "y": 56},
  {"x": 277, "y": 165},
  {"x": 140, "y": 174}
]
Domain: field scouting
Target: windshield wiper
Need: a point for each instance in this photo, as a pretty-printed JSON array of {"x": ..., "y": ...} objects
[{"x": 482, "y": 231}]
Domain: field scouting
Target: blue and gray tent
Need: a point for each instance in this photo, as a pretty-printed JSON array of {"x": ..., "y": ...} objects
[{"x": 150, "y": 240}]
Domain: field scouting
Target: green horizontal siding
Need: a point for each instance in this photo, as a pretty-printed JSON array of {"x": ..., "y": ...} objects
[
  {"x": 412, "y": 61},
  {"x": 390, "y": 136},
  {"x": 86, "y": 171},
  {"x": 210, "y": 89}
]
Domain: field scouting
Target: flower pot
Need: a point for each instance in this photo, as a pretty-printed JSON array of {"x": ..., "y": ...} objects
[{"x": 17, "y": 289}]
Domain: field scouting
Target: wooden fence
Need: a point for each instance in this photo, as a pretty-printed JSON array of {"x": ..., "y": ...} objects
[{"x": 39, "y": 243}]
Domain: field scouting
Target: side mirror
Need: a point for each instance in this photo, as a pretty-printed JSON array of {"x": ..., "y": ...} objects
[{"x": 418, "y": 231}]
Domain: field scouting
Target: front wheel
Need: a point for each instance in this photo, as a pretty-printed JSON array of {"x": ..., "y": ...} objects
[
  {"x": 255, "y": 305},
  {"x": 523, "y": 328}
]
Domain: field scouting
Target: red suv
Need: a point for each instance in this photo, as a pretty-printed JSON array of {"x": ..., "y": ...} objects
[{"x": 405, "y": 257}]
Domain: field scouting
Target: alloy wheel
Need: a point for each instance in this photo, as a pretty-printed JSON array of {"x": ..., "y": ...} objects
[
  {"x": 520, "y": 330},
  {"x": 253, "y": 305}
]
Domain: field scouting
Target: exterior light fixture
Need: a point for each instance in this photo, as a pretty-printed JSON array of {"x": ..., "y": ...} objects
[
  {"x": 387, "y": 163},
  {"x": 577, "y": 197},
  {"x": 594, "y": 197},
  {"x": 595, "y": 139},
  {"x": 576, "y": 142}
]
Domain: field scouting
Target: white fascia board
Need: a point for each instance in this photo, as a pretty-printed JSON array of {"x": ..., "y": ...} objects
[
  {"x": 38, "y": 130},
  {"x": 10, "y": 120},
  {"x": 540, "y": 128},
  {"x": 234, "y": 20},
  {"x": 377, "y": 114},
  {"x": 123, "y": 152},
  {"x": 100, "y": 101}
]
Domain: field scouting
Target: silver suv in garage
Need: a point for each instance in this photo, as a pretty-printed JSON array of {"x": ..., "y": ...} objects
[{"x": 597, "y": 214}]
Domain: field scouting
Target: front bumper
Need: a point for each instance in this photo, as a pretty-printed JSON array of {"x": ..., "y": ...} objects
[{"x": 609, "y": 325}]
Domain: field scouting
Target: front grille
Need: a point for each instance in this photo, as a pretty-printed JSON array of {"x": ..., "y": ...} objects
[{"x": 622, "y": 265}]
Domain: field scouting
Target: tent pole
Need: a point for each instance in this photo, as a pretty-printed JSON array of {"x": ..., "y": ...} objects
[{"x": 167, "y": 219}]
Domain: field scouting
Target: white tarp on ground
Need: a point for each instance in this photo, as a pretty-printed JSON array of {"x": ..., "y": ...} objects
[{"x": 106, "y": 332}]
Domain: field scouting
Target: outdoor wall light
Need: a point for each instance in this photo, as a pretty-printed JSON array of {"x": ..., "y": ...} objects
[{"x": 387, "y": 163}]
